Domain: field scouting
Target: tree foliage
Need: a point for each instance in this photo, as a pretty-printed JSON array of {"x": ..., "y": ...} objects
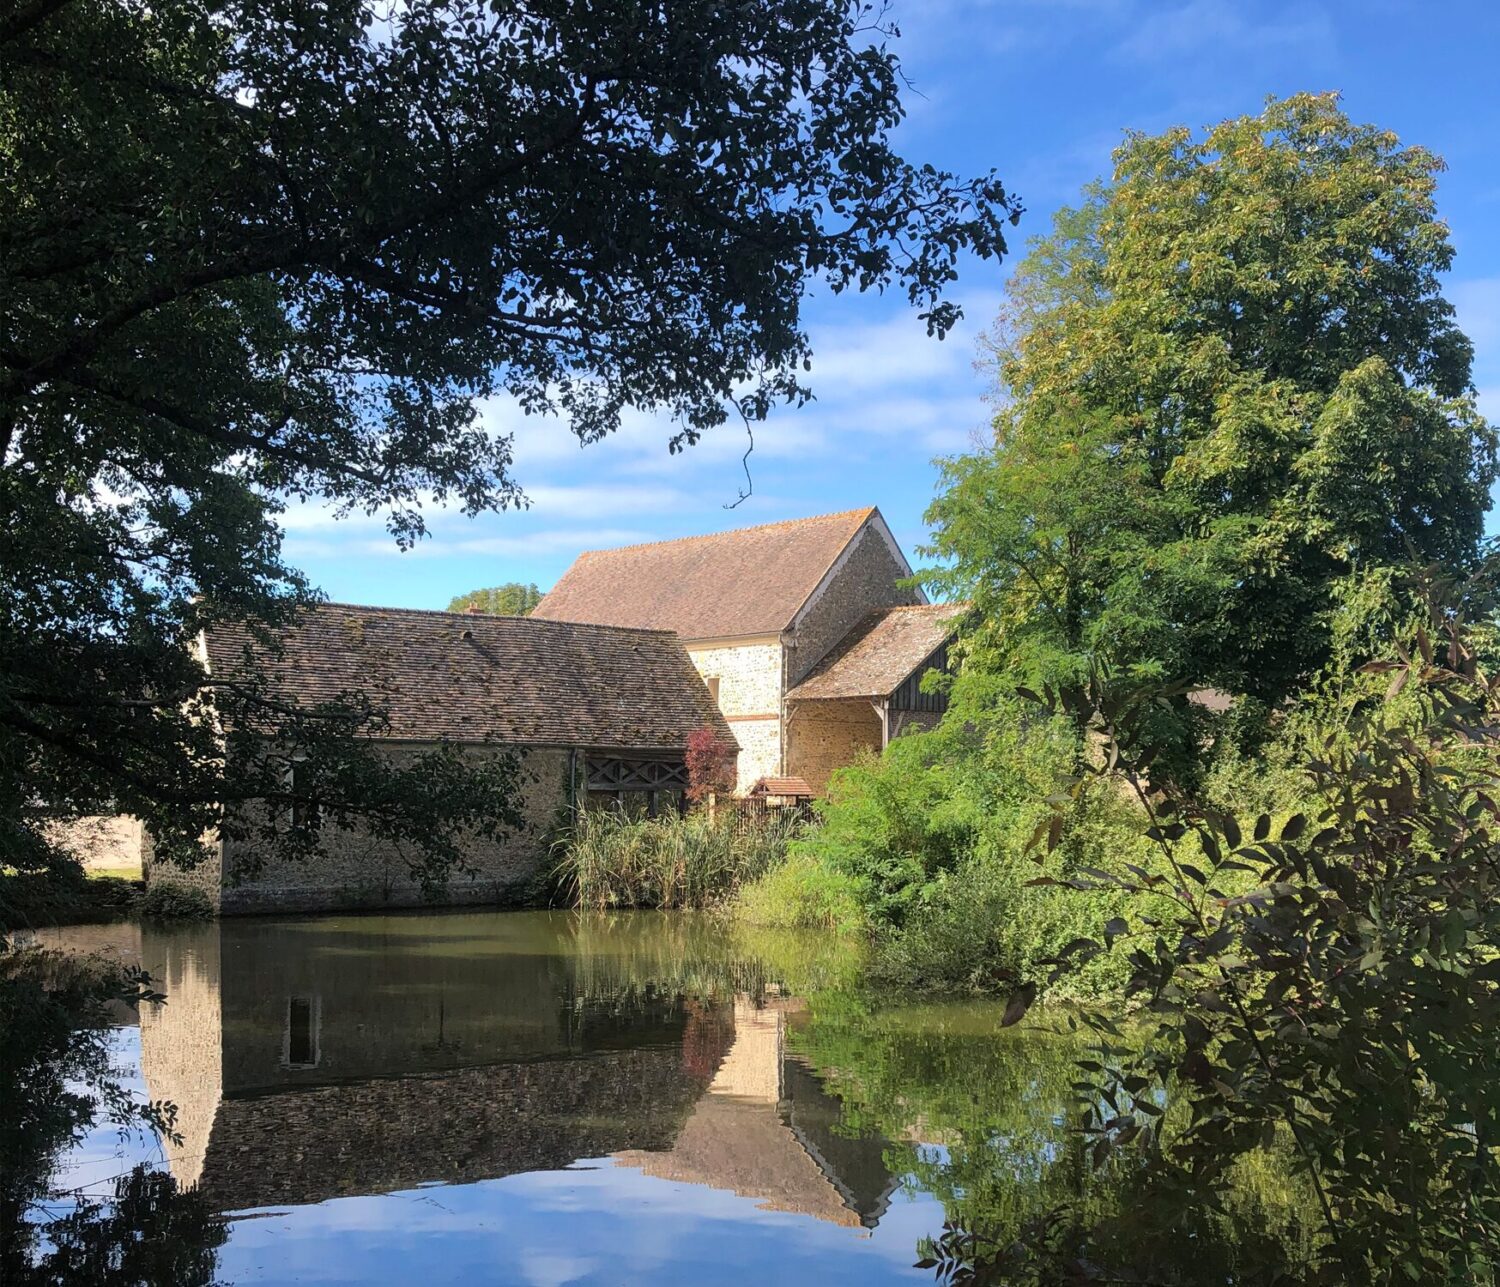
[
  {"x": 261, "y": 253},
  {"x": 58, "y": 1079},
  {"x": 513, "y": 599},
  {"x": 1230, "y": 388},
  {"x": 710, "y": 763},
  {"x": 1332, "y": 982}
]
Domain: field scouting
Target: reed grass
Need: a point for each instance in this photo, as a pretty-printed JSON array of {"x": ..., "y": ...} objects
[{"x": 610, "y": 860}]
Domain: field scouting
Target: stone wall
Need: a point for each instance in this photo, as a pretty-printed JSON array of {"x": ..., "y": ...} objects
[
  {"x": 760, "y": 751},
  {"x": 749, "y": 676},
  {"x": 864, "y": 579},
  {"x": 207, "y": 875},
  {"x": 824, "y": 736},
  {"x": 360, "y": 870},
  {"x": 900, "y": 723}
]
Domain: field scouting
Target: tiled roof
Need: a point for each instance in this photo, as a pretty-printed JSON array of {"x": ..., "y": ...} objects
[
  {"x": 748, "y": 582},
  {"x": 472, "y": 678},
  {"x": 796, "y": 788},
  {"x": 880, "y": 652}
]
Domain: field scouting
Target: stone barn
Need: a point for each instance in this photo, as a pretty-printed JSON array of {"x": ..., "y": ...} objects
[
  {"x": 600, "y": 714},
  {"x": 760, "y": 610},
  {"x": 869, "y": 690}
]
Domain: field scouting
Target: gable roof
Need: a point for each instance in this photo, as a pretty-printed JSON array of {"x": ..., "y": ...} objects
[
  {"x": 877, "y": 656},
  {"x": 796, "y": 788},
  {"x": 472, "y": 678},
  {"x": 752, "y": 581}
]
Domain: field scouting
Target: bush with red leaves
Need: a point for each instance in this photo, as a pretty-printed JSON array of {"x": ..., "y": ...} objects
[{"x": 710, "y": 765}]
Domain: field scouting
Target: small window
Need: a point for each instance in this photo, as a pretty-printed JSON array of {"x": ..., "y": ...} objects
[
  {"x": 713, "y": 687},
  {"x": 299, "y": 1046},
  {"x": 305, "y": 814}
]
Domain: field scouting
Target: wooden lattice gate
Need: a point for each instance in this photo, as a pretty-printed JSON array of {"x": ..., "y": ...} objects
[{"x": 648, "y": 784}]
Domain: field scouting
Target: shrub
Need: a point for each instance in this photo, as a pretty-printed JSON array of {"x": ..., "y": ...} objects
[
  {"x": 926, "y": 849},
  {"x": 985, "y": 927},
  {"x": 173, "y": 900},
  {"x": 608, "y": 859},
  {"x": 1330, "y": 982},
  {"x": 710, "y": 765},
  {"x": 62, "y": 894},
  {"x": 803, "y": 893}
]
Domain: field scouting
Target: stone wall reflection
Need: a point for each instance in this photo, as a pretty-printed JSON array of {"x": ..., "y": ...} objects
[
  {"x": 765, "y": 1129},
  {"x": 313, "y": 1059},
  {"x": 182, "y": 1046}
]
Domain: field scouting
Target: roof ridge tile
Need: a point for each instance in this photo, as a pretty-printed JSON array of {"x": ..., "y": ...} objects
[
  {"x": 806, "y": 520},
  {"x": 486, "y": 616}
]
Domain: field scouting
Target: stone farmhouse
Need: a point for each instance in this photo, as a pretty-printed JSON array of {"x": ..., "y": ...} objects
[
  {"x": 805, "y": 632},
  {"x": 800, "y": 643},
  {"x": 600, "y": 713}
]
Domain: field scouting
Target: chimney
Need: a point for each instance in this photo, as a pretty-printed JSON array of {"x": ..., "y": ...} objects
[{"x": 474, "y": 610}]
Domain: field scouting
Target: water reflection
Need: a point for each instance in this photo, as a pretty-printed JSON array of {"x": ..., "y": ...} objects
[
  {"x": 647, "y": 1097},
  {"x": 316, "y": 1059}
]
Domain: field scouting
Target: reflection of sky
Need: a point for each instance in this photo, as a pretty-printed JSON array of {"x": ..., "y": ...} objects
[
  {"x": 106, "y": 1151},
  {"x": 593, "y": 1223}
]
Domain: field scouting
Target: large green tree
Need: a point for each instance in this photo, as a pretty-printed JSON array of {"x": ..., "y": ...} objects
[
  {"x": 1231, "y": 394},
  {"x": 261, "y": 250}
]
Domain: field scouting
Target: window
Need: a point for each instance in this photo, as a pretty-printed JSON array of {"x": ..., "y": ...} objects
[
  {"x": 713, "y": 687},
  {"x": 299, "y": 1044}
]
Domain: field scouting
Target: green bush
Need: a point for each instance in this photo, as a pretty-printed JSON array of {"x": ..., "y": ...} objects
[
  {"x": 927, "y": 849},
  {"x": 172, "y": 900},
  {"x": 803, "y": 893},
  {"x": 608, "y": 859},
  {"x": 62, "y": 894}
]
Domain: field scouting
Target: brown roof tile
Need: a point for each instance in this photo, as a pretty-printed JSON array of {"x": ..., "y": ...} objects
[
  {"x": 459, "y": 677},
  {"x": 796, "y": 788},
  {"x": 880, "y": 652},
  {"x": 751, "y": 581}
]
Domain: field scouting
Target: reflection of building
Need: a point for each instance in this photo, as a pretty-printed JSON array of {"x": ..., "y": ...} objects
[
  {"x": 765, "y": 1129},
  {"x": 182, "y": 1049},
  {"x": 318, "y": 1059}
]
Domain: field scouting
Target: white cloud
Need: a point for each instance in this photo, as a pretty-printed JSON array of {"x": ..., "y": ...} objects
[
  {"x": 550, "y": 500},
  {"x": 1169, "y": 33},
  {"x": 555, "y": 541},
  {"x": 872, "y": 356}
]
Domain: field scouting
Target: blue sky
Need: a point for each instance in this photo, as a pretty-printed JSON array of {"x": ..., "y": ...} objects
[{"x": 1041, "y": 91}]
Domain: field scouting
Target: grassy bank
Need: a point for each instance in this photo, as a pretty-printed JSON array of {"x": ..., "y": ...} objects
[
  {"x": 64, "y": 894},
  {"x": 607, "y": 860}
]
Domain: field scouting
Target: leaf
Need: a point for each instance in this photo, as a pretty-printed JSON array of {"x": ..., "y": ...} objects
[
  {"x": 1020, "y": 1002},
  {"x": 1295, "y": 826},
  {"x": 1039, "y": 833},
  {"x": 1262, "y": 827}
]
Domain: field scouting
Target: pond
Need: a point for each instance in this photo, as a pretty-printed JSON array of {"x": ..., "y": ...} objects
[{"x": 550, "y": 1098}]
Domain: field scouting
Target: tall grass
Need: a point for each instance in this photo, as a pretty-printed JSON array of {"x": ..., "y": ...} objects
[{"x": 608, "y": 860}]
